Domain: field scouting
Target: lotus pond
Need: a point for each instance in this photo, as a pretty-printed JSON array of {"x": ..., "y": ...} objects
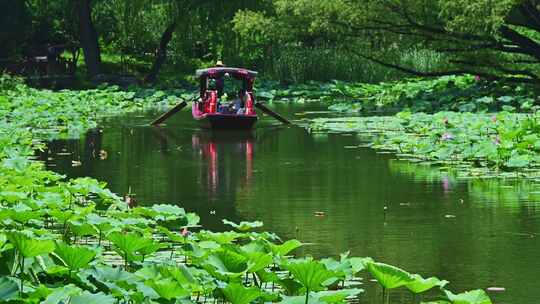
[{"x": 326, "y": 201}]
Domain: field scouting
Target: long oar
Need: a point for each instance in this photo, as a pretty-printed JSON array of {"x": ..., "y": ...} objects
[
  {"x": 169, "y": 113},
  {"x": 266, "y": 110}
]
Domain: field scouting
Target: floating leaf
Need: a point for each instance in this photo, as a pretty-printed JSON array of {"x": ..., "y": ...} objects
[
  {"x": 477, "y": 296},
  {"x": 339, "y": 296},
  {"x": 243, "y": 226}
]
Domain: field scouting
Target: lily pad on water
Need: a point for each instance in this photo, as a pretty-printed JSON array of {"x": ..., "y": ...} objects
[
  {"x": 243, "y": 226},
  {"x": 477, "y": 296}
]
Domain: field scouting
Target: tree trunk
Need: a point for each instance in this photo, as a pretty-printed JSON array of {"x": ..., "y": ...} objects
[
  {"x": 89, "y": 38},
  {"x": 161, "y": 54}
]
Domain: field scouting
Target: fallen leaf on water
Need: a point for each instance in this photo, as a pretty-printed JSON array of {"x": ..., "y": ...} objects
[
  {"x": 496, "y": 288},
  {"x": 449, "y": 216},
  {"x": 75, "y": 163}
]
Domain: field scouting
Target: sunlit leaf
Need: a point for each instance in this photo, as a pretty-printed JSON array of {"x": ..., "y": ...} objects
[
  {"x": 389, "y": 276},
  {"x": 29, "y": 247},
  {"x": 168, "y": 289},
  {"x": 311, "y": 274},
  {"x": 74, "y": 257},
  {"x": 477, "y": 296},
  {"x": 243, "y": 226},
  {"x": 420, "y": 284},
  {"x": 238, "y": 294}
]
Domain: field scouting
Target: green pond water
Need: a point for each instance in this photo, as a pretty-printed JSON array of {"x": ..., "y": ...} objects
[{"x": 325, "y": 190}]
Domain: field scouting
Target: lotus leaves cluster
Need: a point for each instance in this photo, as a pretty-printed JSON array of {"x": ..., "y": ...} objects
[
  {"x": 74, "y": 241},
  {"x": 487, "y": 145}
]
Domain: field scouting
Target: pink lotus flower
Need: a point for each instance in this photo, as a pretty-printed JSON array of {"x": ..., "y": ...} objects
[
  {"x": 477, "y": 78},
  {"x": 447, "y": 136},
  {"x": 497, "y": 140},
  {"x": 494, "y": 118},
  {"x": 184, "y": 232}
]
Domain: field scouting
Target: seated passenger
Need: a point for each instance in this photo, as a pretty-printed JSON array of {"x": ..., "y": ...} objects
[{"x": 239, "y": 103}]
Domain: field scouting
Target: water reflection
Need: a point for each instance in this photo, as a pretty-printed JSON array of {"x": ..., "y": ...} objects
[
  {"x": 223, "y": 152},
  {"x": 474, "y": 233}
]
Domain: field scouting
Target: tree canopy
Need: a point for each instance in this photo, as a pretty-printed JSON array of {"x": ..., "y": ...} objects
[{"x": 319, "y": 38}]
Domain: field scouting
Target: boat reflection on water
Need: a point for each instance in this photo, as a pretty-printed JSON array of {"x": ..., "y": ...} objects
[{"x": 226, "y": 161}]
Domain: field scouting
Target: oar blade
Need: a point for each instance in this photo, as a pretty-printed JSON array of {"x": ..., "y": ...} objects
[
  {"x": 266, "y": 110},
  {"x": 169, "y": 113}
]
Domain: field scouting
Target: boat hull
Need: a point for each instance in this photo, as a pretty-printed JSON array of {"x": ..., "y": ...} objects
[
  {"x": 221, "y": 121},
  {"x": 227, "y": 121}
]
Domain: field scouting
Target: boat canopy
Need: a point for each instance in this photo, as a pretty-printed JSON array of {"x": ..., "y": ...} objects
[{"x": 219, "y": 72}]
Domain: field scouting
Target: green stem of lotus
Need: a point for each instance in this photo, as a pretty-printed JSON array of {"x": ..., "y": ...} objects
[
  {"x": 307, "y": 295},
  {"x": 21, "y": 274}
]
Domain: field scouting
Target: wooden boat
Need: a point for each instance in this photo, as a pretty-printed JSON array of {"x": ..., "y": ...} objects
[{"x": 213, "y": 113}]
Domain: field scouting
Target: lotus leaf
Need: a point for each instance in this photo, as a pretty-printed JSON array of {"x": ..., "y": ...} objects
[
  {"x": 74, "y": 257},
  {"x": 420, "y": 284},
  {"x": 389, "y": 276},
  {"x": 168, "y": 289},
  {"x": 243, "y": 226},
  {"x": 311, "y": 274},
  {"x": 469, "y": 297},
  {"x": 9, "y": 289},
  {"x": 29, "y": 247},
  {"x": 238, "y": 294},
  {"x": 285, "y": 248}
]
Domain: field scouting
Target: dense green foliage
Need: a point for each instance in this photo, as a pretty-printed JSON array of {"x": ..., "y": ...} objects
[
  {"x": 448, "y": 93},
  {"x": 492, "y": 39},
  {"x": 68, "y": 114},
  {"x": 495, "y": 142},
  {"x": 75, "y": 241},
  {"x": 290, "y": 40}
]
